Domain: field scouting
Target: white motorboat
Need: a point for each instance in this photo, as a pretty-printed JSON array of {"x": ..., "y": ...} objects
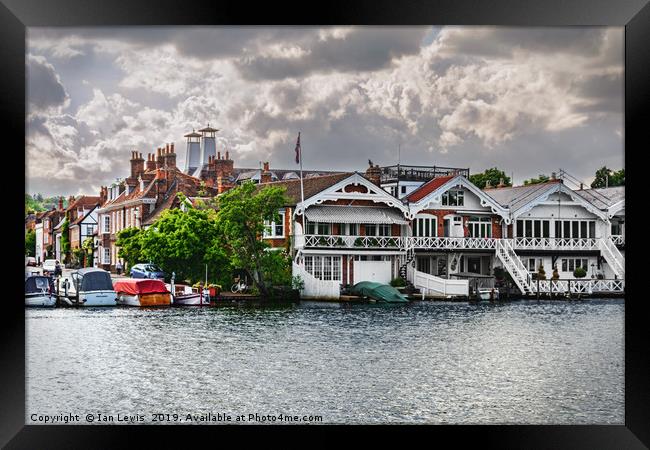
[
  {"x": 91, "y": 287},
  {"x": 488, "y": 293},
  {"x": 184, "y": 295},
  {"x": 142, "y": 292},
  {"x": 39, "y": 291}
]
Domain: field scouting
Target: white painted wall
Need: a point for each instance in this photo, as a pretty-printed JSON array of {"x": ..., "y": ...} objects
[
  {"x": 38, "y": 230},
  {"x": 315, "y": 288}
]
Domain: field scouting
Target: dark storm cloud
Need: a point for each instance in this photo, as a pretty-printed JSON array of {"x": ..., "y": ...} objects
[
  {"x": 44, "y": 89},
  {"x": 503, "y": 41},
  {"x": 363, "y": 49},
  {"x": 604, "y": 91}
]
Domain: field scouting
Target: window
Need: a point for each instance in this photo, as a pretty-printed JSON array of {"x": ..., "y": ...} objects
[
  {"x": 567, "y": 230},
  {"x": 371, "y": 229},
  {"x": 520, "y": 228},
  {"x": 107, "y": 255},
  {"x": 545, "y": 228},
  {"x": 575, "y": 231},
  {"x": 537, "y": 228},
  {"x": 275, "y": 229},
  {"x": 327, "y": 268},
  {"x": 480, "y": 226},
  {"x": 529, "y": 228},
  {"x": 383, "y": 230},
  {"x": 403, "y": 189},
  {"x": 558, "y": 229},
  {"x": 453, "y": 198},
  {"x": 107, "y": 224},
  {"x": 564, "y": 265},
  {"x": 583, "y": 229},
  {"x": 592, "y": 229},
  {"x": 617, "y": 228},
  {"x": 425, "y": 225}
]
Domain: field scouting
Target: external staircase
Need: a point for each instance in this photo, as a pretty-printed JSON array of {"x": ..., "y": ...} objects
[
  {"x": 613, "y": 256},
  {"x": 512, "y": 263}
]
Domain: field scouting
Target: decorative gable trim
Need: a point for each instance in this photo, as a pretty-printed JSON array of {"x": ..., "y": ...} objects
[
  {"x": 559, "y": 188},
  {"x": 435, "y": 197},
  {"x": 615, "y": 208},
  {"x": 337, "y": 191}
]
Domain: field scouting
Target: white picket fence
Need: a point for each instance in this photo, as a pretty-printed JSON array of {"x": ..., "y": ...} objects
[{"x": 433, "y": 285}]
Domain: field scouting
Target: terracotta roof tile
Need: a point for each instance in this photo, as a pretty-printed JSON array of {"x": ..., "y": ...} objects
[
  {"x": 312, "y": 186},
  {"x": 428, "y": 188}
]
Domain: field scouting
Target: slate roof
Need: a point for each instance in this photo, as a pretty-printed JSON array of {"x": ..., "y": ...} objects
[
  {"x": 312, "y": 186},
  {"x": 514, "y": 197},
  {"x": 603, "y": 198}
]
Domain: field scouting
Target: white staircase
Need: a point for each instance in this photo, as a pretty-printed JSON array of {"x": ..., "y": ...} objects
[
  {"x": 512, "y": 263},
  {"x": 433, "y": 285},
  {"x": 613, "y": 256}
]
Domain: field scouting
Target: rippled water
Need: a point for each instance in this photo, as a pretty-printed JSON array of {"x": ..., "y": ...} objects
[{"x": 425, "y": 362}]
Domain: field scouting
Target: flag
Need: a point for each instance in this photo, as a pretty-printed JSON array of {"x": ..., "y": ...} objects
[{"x": 298, "y": 150}]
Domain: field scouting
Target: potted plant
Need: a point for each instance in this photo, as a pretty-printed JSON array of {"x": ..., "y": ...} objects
[
  {"x": 541, "y": 273},
  {"x": 579, "y": 272},
  {"x": 556, "y": 275},
  {"x": 214, "y": 289}
]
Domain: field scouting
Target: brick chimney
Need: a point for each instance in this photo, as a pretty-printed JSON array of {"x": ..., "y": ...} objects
[
  {"x": 60, "y": 203},
  {"x": 266, "y": 174},
  {"x": 70, "y": 200},
  {"x": 171, "y": 157},
  {"x": 151, "y": 162},
  {"x": 373, "y": 173},
  {"x": 159, "y": 158},
  {"x": 224, "y": 166},
  {"x": 137, "y": 164},
  {"x": 103, "y": 195}
]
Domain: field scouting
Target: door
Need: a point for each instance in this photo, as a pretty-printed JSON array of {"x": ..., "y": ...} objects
[
  {"x": 453, "y": 226},
  {"x": 377, "y": 271}
]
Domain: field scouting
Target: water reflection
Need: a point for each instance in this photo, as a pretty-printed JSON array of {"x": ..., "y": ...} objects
[{"x": 423, "y": 362}]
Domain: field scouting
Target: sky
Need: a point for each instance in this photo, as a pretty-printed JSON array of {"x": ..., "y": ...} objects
[{"x": 526, "y": 100}]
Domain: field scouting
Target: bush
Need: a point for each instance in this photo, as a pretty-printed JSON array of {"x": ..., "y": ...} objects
[
  {"x": 541, "y": 273},
  {"x": 555, "y": 275},
  {"x": 297, "y": 283},
  {"x": 579, "y": 272},
  {"x": 398, "y": 282}
]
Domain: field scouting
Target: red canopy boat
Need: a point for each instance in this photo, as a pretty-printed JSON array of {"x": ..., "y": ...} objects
[{"x": 141, "y": 292}]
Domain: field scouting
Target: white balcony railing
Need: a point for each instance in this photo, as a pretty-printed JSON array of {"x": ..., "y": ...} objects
[
  {"x": 388, "y": 242},
  {"x": 578, "y": 286},
  {"x": 555, "y": 243},
  {"x": 451, "y": 243},
  {"x": 618, "y": 239}
]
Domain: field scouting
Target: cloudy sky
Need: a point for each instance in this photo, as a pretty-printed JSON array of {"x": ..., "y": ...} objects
[{"x": 527, "y": 100}]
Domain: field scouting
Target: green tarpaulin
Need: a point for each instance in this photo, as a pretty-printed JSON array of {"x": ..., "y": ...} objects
[{"x": 378, "y": 291}]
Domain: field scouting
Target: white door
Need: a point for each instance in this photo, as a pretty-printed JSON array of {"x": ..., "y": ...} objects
[
  {"x": 378, "y": 271},
  {"x": 454, "y": 225}
]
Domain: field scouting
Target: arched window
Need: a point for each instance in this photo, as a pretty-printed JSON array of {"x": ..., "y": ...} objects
[{"x": 425, "y": 225}]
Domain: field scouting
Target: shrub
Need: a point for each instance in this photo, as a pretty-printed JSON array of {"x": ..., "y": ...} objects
[
  {"x": 541, "y": 273},
  {"x": 555, "y": 275},
  {"x": 297, "y": 283},
  {"x": 579, "y": 272},
  {"x": 398, "y": 282}
]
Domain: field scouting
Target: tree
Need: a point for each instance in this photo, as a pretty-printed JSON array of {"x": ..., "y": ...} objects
[
  {"x": 89, "y": 246},
  {"x": 65, "y": 238},
  {"x": 183, "y": 242},
  {"x": 607, "y": 178},
  {"x": 541, "y": 179},
  {"x": 541, "y": 273},
  {"x": 30, "y": 243},
  {"x": 129, "y": 242},
  {"x": 241, "y": 214},
  {"x": 556, "y": 274},
  {"x": 493, "y": 175}
]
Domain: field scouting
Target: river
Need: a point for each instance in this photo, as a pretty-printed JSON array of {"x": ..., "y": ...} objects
[{"x": 523, "y": 362}]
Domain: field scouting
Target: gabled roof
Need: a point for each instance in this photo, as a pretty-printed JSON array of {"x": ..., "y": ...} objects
[
  {"x": 433, "y": 190},
  {"x": 84, "y": 216},
  {"x": 312, "y": 186},
  {"x": 603, "y": 198},
  {"x": 428, "y": 188},
  {"x": 520, "y": 199},
  {"x": 85, "y": 201}
]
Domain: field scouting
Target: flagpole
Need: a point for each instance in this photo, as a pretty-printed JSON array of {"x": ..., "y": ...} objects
[{"x": 302, "y": 192}]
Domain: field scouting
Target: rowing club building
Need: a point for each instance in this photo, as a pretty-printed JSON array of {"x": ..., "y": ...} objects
[{"x": 443, "y": 233}]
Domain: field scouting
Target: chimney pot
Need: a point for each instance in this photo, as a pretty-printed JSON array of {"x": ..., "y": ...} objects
[
  {"x": 172, "y": 148},
  {"x": 227, "y": 156}
]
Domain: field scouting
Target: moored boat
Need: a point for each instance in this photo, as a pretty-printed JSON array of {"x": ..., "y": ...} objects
[
  {"x": 39, "y": 291},
  {"x": 488, "y": 293},
  {"x": 91, "y": 287},
  {"x": 184, "y": 295},
  {"x": 142, "y": 292}
]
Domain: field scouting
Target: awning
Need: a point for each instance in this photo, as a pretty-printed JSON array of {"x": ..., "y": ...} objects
[{"x": 354, "y": 214}]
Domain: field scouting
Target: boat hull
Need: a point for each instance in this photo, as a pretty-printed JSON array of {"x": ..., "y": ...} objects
[
  {"x": 40, "y": 300},
  {"x": 98, "y": 298},
  {"x": 485, "y": 295},
  {"x": 190, "y": 300},
  {"x": 158, "y": 299}
]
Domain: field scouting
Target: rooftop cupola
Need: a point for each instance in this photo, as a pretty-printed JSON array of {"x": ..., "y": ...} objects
[
  {"x": 208, "y": 143},
  {"x": 193, "y": 153}
]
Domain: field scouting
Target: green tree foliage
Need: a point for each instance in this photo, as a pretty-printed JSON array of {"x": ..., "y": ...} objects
[
  {"x": 129, "y": 242},
  {"x": 541, "y": 179},
  {"x": 30, "y": 243},
  {"x": 607, "y": 178},
  {"x": 493, "y": 175},
  {"x": 38, "y": 203},
  {"x": 65, "y": 236},
  {"x": 184, "y": 242},
  {"x": 240, "y": 218}
]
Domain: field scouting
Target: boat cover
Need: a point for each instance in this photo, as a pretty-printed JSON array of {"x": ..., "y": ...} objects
[
  {"x": 132, "y": 286},
  {"x": 378, "y": 291},
  {"x": 38, "y": 284}
]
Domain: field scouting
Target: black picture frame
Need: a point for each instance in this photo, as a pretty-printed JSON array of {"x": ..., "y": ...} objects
[{"x": 16, "y": 15}]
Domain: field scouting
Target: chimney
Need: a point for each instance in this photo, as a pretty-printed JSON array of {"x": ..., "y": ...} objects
[
  {"x": 227, "y": 155},
  {"x": 159, "y": 158},
  {"x": 60, "y": 203},
  {"x": 501, "y": 183},
  {"x": 171, "y": 157},
  {"x": 580, "y": 186},
  {"x": 218, "y": 155},
  {"x": 553, "y": 177},
  {"x": 137, "y": 164},
  {"x": 103, "y": 196},
  {"x": 266, "y": 174},
  {"x": 373, "y": 173},
  {"x": 151, "y": 163}
]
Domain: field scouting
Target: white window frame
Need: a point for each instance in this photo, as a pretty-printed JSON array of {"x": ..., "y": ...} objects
[
  {"x": 460, "y": 197},
  {"x": 421, "y": 222},
  {"x": 325, "y": 268},
  {"x": 270, "y": 227},
  {"x": 107, "y": 255}
]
